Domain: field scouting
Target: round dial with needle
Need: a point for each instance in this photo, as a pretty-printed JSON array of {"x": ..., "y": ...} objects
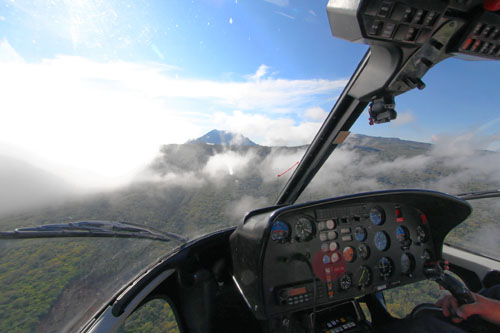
[
  {"x": 304, "y": 228},
  {"x": 345, "y": 281},
  {"x": 365, "y": 277}
]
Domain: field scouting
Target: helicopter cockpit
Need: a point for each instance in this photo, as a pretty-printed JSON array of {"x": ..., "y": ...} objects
[
  {"x": 298, "y": 259},
  {"x": 304, "y": 257},
  {"x": 321, "y": 265}
]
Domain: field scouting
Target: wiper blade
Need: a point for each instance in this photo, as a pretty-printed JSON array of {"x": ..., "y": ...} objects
[
  {"x": 479, "y": 195},
  {"x": 92, "y": 229}
]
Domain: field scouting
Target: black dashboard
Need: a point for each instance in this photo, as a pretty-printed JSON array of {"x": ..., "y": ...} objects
[{"x": 331, "y": 251}]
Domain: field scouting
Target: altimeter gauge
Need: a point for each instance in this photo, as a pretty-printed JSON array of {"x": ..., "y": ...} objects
[
  {"x": 385, "y": 267},
  {"x": 304, "y": 228}
]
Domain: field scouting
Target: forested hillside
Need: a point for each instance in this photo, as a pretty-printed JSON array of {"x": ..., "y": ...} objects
[{"x": 195, "y": 188}]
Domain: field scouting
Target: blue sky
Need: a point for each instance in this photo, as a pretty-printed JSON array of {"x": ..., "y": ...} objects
[{"x": 94, "y": 76}]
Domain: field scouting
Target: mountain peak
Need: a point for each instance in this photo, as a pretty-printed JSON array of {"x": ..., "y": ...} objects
[{"x": 225, "y": 138}]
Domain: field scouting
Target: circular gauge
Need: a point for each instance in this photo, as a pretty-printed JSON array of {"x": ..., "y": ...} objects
[
  {"x": 382, "y": 242},
  {"x": 407, "y": 263},
  {"x": 321, "y": 226},
  {"x": 330, "y": 224},
  {"x": 377, "y": 215},
  {"x": 422, "y": 234},
  {"x": 345, "y": 281},
  {"x": 334, "y": 246},
  {"x": 280, "y": 231},
  {"x": 304, "y": 229},
  {"x": 326, "y": 259},
  {"x": 402, "y": 234},
  {"x": 335, "y": 257},
  {"x": 349, "y": 254},
  {"x": 360, "y": 233},
  {"x": 365, "y": 277},
  {"x": 364, "y": 251},
  {"x": 324, "y": 247},
  {"x": 323, "y": 236},
  {"x": 385, "y": 267},
  {"x": 332, "y": 235}
]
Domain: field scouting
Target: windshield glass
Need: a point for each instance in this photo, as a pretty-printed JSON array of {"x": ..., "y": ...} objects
[{"x": 182, "y": 116}]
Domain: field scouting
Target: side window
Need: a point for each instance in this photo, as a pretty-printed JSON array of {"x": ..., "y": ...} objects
[
  {"x": 401, "y": 301},
  {"x": 156, "y": 316}
]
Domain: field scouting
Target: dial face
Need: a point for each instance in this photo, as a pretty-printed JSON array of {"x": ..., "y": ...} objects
[
  {"x": 323, "y": 236},
  {"x": 377, "y": 215},
  {"x": 280, "y": 231},
  {"x": 330, "y": 224},
  {"x": 335, "y": 257},
  {"x": 324, "y": 247},
  {"x": 402, "y": 234},
  {"x": 407, "y": 263},
  {"x": 349, "y": 254},
  {"x": 345, "y": 281},
  {"x": 422, "y": 235},
  {"x": 326, "y": 259},
  {"x": 332, "y": 235},
  {"x": 334, "y": 246},
  {"x": 304, "y": 229},
  {"x": 364, "y": 251},
  {"x": 321, "y": 226},
  {"x": 360, "y": 233},
  {"x": 381, "y": 241},
  {"x": 365, "y": 277},
  {"x": 385, "y": 267}
]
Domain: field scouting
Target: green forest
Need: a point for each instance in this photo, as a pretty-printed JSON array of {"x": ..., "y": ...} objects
[{"x": 41, "y": 279}]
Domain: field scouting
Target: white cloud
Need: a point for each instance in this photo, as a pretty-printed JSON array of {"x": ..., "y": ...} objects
[
  {"x": 228, "y": 163},
  {"x": 285, "y": 15},
  {"x": 312, "y": 12},
  {"x": 404, "y": 118},
  {"x": 460, "y": 160},
  {"x": 266, "y": 130},
  {"x": 281, "y": 3},
  {"x": 7, "y": 53},
  {"x": 261, "y": 72},
  {"x": 95, "y": 123},
  {"x": 316, "y": 113}
]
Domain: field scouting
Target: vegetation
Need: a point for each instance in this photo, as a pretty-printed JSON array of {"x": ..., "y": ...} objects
[
  {"x": 156, "y": 316},
  {"x": 40, "y": 279}
]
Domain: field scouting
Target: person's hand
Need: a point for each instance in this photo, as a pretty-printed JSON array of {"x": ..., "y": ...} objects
[{"x": 487, "y": 308}]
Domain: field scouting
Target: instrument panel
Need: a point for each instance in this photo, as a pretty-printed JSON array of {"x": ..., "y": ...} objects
[
  {"x": 352, "y": 250},
  {"x": 294, "y": 258}
]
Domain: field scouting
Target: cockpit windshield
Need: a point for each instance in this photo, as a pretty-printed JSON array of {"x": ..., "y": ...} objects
[{"x": 181, "y": 117}]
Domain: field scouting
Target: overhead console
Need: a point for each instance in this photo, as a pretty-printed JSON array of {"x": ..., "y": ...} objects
[
  {"x": 412, "y": 23},
  {"x": 331, "y": 251},
  {"x": 422, "y": 32}
]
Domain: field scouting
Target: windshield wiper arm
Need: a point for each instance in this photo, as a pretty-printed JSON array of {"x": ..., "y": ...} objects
[
  {"x": 479, "y": 195},
  {"x": 92, "y": 229}
]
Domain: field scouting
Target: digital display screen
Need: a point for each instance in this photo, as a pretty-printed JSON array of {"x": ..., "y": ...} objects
[{"x": 297, "y": 291}]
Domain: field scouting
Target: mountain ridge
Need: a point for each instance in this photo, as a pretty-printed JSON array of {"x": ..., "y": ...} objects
[{"x": 225, "y": 138}]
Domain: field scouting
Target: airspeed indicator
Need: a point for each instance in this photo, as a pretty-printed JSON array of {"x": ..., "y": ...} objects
[{"x": 385, "y": 267}]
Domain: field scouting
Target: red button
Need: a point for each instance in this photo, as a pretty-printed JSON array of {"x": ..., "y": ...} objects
[
  {"x": 466, "y": 44},
  {"x": 491, "y": 5}
]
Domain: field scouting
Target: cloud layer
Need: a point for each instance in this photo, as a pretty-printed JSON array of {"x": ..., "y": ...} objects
[{"x": 96, "y": 124}]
